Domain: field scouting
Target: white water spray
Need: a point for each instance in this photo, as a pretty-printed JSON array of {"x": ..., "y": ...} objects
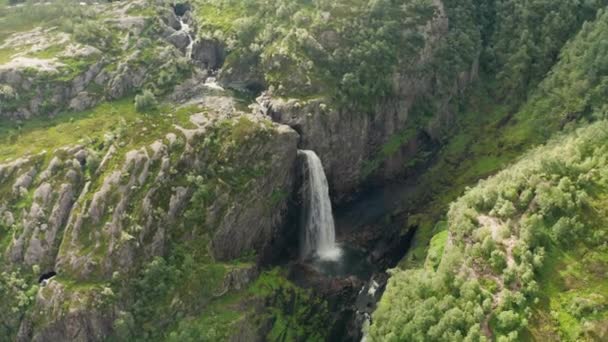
[
  {"x": 188, "y": 30},
  {"x": 319, "y": 235},
  {"x": 211, "y": 83}
]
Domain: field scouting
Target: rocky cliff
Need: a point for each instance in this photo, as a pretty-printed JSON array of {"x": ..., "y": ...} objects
[
  {"x": 360, "y": 146},
  {"x": 224, "y": 181}
]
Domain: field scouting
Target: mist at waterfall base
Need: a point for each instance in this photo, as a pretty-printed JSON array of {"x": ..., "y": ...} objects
[{"x": 318, "y": 244}]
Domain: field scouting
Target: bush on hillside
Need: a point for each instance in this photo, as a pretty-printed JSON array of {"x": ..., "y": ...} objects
[{"x": 145, "y": 101}]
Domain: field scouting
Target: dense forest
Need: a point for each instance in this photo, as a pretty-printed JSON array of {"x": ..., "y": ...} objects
[{"x": 304, "y": 170}]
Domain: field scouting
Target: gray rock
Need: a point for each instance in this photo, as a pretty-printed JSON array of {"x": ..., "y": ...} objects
[
  {"x": 177, "y": 202},
  {"x": 54, "y": 165},
  {"x": 171, "y": 20},
  {"x": 62, "y": 314},
  {"x": 208, "y": 54},
  {"x": 347, "y": 141},
  {"x": 125, "y": 79},
  {"x": 250, "y": 225},
  {"x": 82, "y": 101},
  {"x": 239, "y": 278},
  {"x": 179, "y": 39},
  {"x": 98, "y": 203},
  {"x": 24, "y": 181}
]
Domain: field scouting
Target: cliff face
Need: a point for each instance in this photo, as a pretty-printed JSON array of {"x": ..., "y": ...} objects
[
  {"x": 354, "y": 146},
  {"x": 112, "y": 51},
  {"x": 226, "y": 179},
  {"x": 358, "y": 146}
]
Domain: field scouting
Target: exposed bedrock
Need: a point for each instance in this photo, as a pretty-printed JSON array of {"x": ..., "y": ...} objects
[{"x": 350, "y": 142}]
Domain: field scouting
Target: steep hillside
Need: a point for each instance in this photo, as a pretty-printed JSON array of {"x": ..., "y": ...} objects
[
  {"x": 363, "y": 83},
  {"x": 522, "y": 255}
]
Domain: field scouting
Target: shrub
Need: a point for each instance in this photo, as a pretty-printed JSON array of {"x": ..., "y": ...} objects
[
  {"x": 145, "y": 101},
  {"x": 7, "y": 92},
  {"x": 497, "y": 260}
]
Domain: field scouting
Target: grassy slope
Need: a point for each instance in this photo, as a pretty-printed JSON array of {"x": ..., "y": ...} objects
[
  {"x": 478, "y": 151},
  {"x": 90, "y": 128},
  {"x": 132, "y": 129},
  {"x": 27, "y": 17},
  {"x": 290, "y": 44},
  {"x": 296, "y": 314}
]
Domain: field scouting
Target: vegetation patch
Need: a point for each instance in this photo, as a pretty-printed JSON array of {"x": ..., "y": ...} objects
[{"x": 545, "y": 207}]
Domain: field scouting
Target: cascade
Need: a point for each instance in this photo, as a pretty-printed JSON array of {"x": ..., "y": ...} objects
[
  {"x": 186, "y": 28},
  {"x": 319, "y": 234}
]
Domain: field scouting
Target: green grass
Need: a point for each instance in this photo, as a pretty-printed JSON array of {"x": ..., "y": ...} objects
[
  {"x": 569, "y": 276},
  {"x": 88, "y": 127},
  {"x": 33, "y": 15},
  {"x": 437, "y": 246},
  {"x": 221, "y": 18},
  {"x": 6, "y": 55},
  {"x": 216, "y": 323},
  {"x": 49, "y": 52},
  {"x": 17, "y": 20}
]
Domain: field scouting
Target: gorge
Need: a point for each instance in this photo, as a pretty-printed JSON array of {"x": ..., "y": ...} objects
[{"x": 310, "y": 170}]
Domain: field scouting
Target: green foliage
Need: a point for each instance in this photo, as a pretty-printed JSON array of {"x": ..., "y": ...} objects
[
  {"x": 297, "y": 313},
  {"x": 32, "y": 14},
  {"x": 92, "y": 126},
  {"x": 575, "y": 90},
  {"x": 17, "y": 293},
  {"x": 145, "y": 101},
  {"x": 348, "y": 50},
  {"x": 421, "y": 305},
  {"x": 508, "y": 245},
  {"x": 522, "y": 39},
  {"x": 180, "y": 285},
  {"x": 436, "y": 248},
  {"x": 91, "y": 33}
]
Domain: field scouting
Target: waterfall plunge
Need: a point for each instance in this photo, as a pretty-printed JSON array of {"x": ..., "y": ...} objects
[{"x": 319, "y": 235}]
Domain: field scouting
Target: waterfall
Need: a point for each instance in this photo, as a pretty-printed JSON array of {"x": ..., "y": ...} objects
[
  {"x": 186, "y": 28},
  {"x": 319, "y": 235}
]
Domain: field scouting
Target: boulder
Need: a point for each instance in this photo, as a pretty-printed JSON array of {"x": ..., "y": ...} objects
[{"x": 179, "y": 39}]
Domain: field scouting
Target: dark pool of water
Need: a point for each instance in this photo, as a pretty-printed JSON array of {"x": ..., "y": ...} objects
[
  {"x": 351, "y": 262},
  {"x": 369, "y": 209}
]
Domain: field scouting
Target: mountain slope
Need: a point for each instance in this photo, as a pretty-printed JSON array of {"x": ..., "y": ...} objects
[
  {"x": 524, "y": 254},
  {"x": 515, "y": 246}
]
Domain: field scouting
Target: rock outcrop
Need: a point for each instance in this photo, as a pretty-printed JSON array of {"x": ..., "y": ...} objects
[
  {"x": 228, "y": 178},
  {"x": 352, "y": 142},
  {"x": 349, "y": 142},
  {"x": 68, "y": 314},
  {"x": 146, "y": 51},
  {"x": 208, "y": 54}
]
